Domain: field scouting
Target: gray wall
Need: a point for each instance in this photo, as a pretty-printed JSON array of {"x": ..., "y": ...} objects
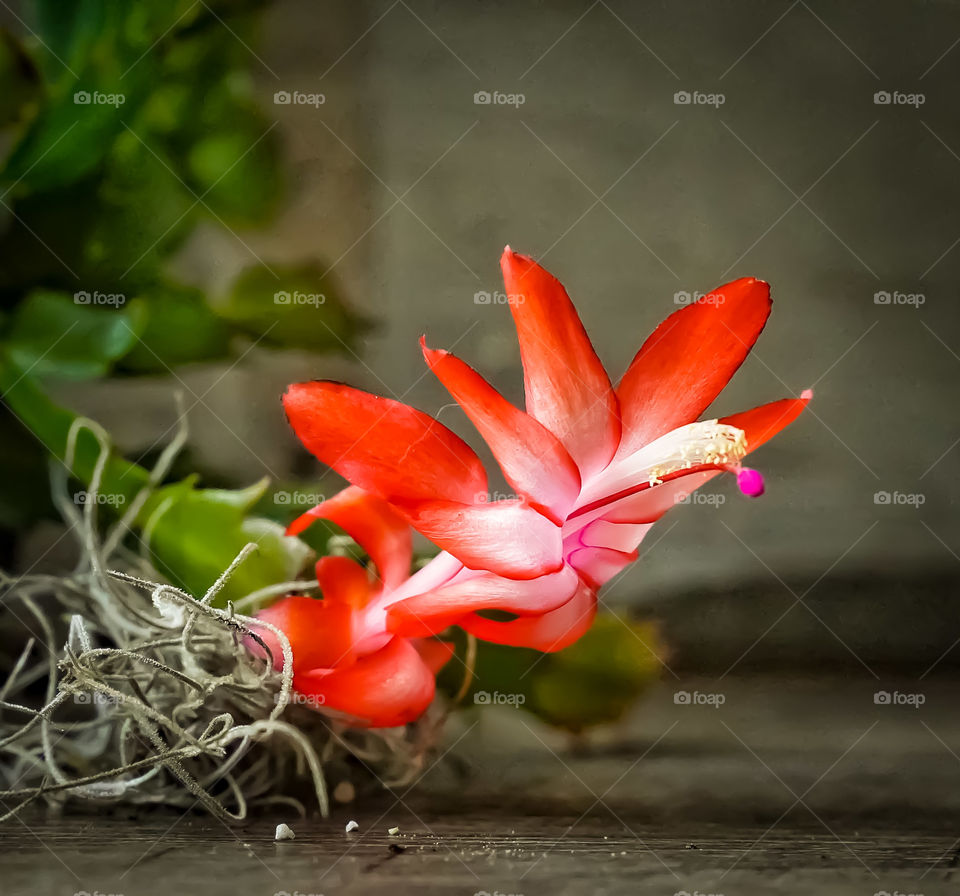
[{"x": 799, "y": 177}]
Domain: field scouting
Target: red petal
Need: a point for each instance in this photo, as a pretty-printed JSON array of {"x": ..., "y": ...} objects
[
  {"x": 646, "y": 503},
  {"x": 566, "y": 387},
  {"x": 764, "y": 422},
  {"x": 533, "y": 460},
  {"x": 550, "y": 632},
  {"x": 688, "y": 359},
  {"x": 387, "y": 688},
  {"x": 320, "y": 632},
  {"x": 345, "y": 581},
  {"x": 383, "y": 446},
  {"x": 435, "y": 654},
  {"x": 431, "y": 613},
  {"x": 508, "y": 538},
  {"x": 371, "y": 523},
  {"x": 598, "y": 565}
]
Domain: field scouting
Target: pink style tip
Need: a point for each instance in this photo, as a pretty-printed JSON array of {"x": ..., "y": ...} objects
[
  {"x": 806, "y": 394},
  {"x": 750, "y": 482}
]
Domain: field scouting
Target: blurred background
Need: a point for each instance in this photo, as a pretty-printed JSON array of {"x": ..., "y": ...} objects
[{"x": 219, "y": 198}]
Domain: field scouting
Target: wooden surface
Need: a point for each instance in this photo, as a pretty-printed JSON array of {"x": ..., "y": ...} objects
[{"x": 789, "y": 787}]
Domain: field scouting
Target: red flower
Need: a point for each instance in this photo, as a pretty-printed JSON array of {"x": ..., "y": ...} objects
[
  {"x": 343, "y": 657},
  {"x": 593, "y": 467}
]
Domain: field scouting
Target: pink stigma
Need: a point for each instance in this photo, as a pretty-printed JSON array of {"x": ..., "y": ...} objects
[{"x": 750, "y": 482}]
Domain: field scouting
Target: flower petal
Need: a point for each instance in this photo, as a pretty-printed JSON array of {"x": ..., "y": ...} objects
[
  {"x": 508, "y": 538},
  {"x": 598, "y": 565},
  {"x": 646, "y": 504},
  {"x": 533, "y": 460},
  {"x": 566, "y": 387},
  {"x": 688, "y": 359},
  {"x": 320, "y": 631},
  {"x": 383, "y": 446},
  {"x": 385, "y": 689},
  {"x": 550, "y": 632},
  {"x": 344, "y": 580},
  {"x": 431, "y": 613},
  {"x": 371, "y": 523},
  {"x": 435, "y": 654}
]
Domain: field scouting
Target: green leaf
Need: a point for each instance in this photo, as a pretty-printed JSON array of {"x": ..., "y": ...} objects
[
  {"x": 292, "y": 307},
  {"x": 593, "y": 682},
  {"x": 180, "y": 328},
  {"x": 73, "y": 337},
  {"x": 194, "y": 535}
]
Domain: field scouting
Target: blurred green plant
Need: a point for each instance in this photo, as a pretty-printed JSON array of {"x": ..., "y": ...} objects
[
  {"x": 595, "y": 681},
  {"x": 122, "y": 127}
]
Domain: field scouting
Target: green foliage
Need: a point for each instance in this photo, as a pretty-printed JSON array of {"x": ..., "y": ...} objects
[
  {"x": 593, "y": 682},
  {"x": 122, "y": 127},
  {"x": 54, "y": 334}
]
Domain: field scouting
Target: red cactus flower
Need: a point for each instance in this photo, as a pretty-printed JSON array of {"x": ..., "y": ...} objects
[
  {"x": 343, "y": 657},
  {"x": 593, "y": 467}
]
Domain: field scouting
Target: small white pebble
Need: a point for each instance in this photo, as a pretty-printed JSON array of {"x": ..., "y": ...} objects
[
  {"x": 393, "y": 832},
  {"x": 352, "y": 826},
  {"x": 284, "y": 832}
]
